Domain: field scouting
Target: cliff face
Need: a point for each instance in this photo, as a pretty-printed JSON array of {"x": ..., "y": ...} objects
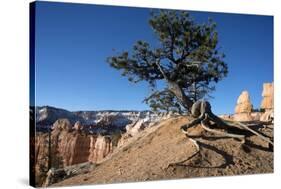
[
  {"x": 67, "y": 146},
  {"x": 41, "y": 158},
  {"x": 100, "y": 147}
]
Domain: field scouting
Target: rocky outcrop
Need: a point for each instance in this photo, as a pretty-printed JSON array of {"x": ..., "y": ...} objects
[
  {"x": 41, "y": 158},
  {"x": 100, "y": 147},
  {"x": 267, "y": 103},
  {"x": 134, "y": 128},
  {"x": 268, "y": 96},
  {"x": 78, "y": 126},
  {"x": 243, "y": 108},
  {"x": 244, "y": 104},
  {"x": 69, "y": 145},
  {"x": 56, "y": 175}
]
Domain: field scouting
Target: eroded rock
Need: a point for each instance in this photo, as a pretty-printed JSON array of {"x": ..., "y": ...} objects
[
  {"x": 268, "y": 96},
  {"x": 243, "y": 108},
  {"x": 62, "y": 124},
  {"x": 244, "y": 104},
  {"x": 64, "y": 147}
]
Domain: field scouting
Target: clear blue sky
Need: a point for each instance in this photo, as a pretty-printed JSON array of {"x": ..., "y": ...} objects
[{"x": 74, "y": 40}]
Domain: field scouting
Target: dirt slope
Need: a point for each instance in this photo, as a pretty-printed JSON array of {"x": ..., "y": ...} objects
[{"x": 147, "y": 157}]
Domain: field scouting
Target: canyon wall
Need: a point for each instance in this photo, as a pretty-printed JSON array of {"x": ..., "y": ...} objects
[{"x": 66, "y": 146}]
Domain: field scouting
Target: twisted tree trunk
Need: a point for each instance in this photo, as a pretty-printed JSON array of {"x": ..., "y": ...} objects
[
  {"x": 175, "y": 88},
  {"x": 178, "y": 92}
]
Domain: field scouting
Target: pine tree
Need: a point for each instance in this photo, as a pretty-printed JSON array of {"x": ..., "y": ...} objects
[{"x": 186, "y": 58}]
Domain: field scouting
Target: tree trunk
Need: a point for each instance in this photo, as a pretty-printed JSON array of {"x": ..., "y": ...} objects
[
  {"x": 178, "y": 92},
  {"x": 176, "y": 89}
]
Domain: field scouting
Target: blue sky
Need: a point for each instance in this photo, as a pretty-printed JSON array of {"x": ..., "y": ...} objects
[{"x": 74, "y": 40}]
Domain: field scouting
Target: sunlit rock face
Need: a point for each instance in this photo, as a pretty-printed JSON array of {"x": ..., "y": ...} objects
[
  {"x": 68, "y": 145},
  {"x": 244, "y": 104},
  {"x": 267, "y": 102},
  {"x": 66, "y": 138},
  {"x": 100, "y": 147},
  {"x": 243, "y": 108}
]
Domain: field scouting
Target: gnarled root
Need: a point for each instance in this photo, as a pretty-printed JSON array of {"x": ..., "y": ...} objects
[
  {"x": 197, "y": 147},
  {"x": 256, "y": 133},
  {"x": 206, "y": 114},
  {"x": 203, "y": 108},
  {"x": 205, "y": 127}
]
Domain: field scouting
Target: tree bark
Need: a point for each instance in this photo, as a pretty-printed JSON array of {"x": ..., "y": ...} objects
[
  {"x": 178, "y": 92},
  {"x": 175, "y": 89}
]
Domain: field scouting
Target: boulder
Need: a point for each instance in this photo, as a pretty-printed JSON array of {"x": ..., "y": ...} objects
[{"x": 267, "y": 102}]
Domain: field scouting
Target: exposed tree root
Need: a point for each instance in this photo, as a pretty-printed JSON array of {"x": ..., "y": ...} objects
[
  {"x": 205, "y": 127},
  {"x": 194, "y": 142},
  {"x": 201, "y": 110},
  {"x": 255, "y": 132}
]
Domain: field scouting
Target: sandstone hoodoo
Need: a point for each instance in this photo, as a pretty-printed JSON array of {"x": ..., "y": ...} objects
[
  {"x": 268, "y": 96},
  {"x": 78, "y": 126},
  {"x": 267, "y": 103},
  {"x": 66, "y": 146},
  {"x": 243, "y": 107}
]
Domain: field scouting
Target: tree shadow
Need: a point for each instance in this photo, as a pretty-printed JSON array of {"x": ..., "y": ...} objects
[
  {"x": 228, "y": 159},
  {"x": 254, "y": 125},
  {"x": 259, "y": 147}
]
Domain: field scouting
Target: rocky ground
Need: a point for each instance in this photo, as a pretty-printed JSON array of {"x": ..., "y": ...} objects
[{"x": 163, "y": 152}]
